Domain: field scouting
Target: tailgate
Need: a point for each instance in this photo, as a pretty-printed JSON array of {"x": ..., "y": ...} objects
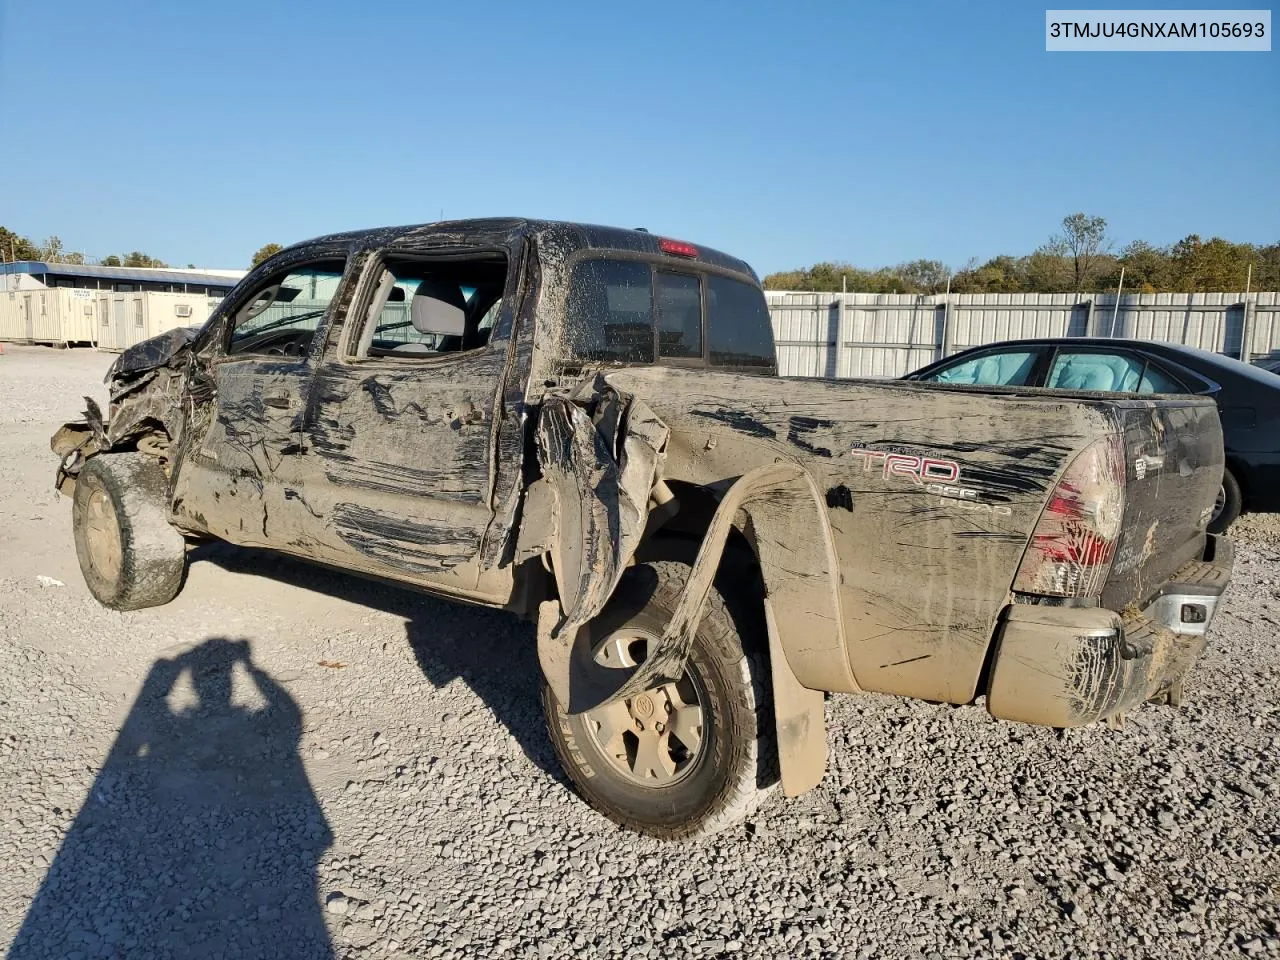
[{"x": 1174, "y": 461}]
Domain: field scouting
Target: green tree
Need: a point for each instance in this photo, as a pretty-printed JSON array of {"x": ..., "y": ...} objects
[
  {"x": 1049, "y": 269},
  {"x": 136, "y": 258},
  {"x": 923, "y": 276},
  {"x": 15, "y": 247},
  {"x": 1147, "y": 269},
  {"x": 265, "y": 251},
  {"x": 111, "y": 261},
  {"x": 1084, "y": 241},
  {"x": 1266, "y": 267},
  {"x": 1002, "y": 274}
]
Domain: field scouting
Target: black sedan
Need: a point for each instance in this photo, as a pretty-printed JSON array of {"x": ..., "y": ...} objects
[{"x": 1248, "y": 396}]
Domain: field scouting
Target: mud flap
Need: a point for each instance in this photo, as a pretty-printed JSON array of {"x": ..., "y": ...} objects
[{"x": 800, "y": 723}]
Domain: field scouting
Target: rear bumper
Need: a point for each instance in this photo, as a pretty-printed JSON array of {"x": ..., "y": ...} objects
[{"x": 1068, "y": 666}]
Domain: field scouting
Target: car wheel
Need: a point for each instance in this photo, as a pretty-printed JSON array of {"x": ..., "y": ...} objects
[
  {"x": 1228, "y": 506},
  {"x": 130, "y": 555},
  {"x": 682, "y": 759}
]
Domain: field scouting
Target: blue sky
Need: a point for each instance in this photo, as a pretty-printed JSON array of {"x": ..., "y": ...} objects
[{"x": 784, "y": 133}]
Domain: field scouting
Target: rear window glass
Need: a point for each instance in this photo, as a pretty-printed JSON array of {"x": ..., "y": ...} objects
[
  {"x": 679, "y": 300},
  {"x": 609, "y": 313},
  {"x": 614, "y": 307},
  {"x": 739, "y": 333}
]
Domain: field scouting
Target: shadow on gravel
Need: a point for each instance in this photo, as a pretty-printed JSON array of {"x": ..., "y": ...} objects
[
  {"x": 201, "y": 835},
  {"x": 493, "y": 652}
]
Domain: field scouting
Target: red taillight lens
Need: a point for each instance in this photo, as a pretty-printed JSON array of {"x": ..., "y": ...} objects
[
  {"x": 1071, "y": 549},
  {"x": 678, "y": 248}
]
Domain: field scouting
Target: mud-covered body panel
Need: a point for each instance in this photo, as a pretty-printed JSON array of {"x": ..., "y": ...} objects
[
  {"x": 901, "y": 510},
  {"x": 932, "y": 495},
  {"x": 1068, "y": 666},
  {"x": 1173, "y": 468}
]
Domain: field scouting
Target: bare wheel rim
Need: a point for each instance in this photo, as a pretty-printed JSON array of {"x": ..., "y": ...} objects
[
  {"x": 655, "y": 738},
  {"x": 1219, "y": 504},
  {"x": 102, "y": 534}
]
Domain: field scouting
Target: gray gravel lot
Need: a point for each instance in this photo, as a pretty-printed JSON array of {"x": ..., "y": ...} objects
[{"x": 287, "y": 763}]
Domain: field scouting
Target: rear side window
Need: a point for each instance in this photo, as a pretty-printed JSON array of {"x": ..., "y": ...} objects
[
  {"x": 623, "y": 311},
  {"x": 1154, "y": 380},
  {"x": 1109, "y": 372},
  {"x": 1011, "y": 369}
]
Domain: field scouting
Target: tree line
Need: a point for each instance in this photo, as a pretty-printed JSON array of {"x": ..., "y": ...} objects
[
  {"x": 1080, "y": 259},
  {"x": 16, "y": 247}
]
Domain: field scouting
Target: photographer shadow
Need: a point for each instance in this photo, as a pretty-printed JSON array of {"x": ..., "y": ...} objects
[
  {"x": 491, "y": 651},
  {"x": 201, "y": 835}
]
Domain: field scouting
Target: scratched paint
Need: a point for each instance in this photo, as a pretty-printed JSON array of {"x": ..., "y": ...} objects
[{"x": 925, "y": 496}]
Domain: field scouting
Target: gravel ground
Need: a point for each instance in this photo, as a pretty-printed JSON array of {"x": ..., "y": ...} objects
[{"x": 283, "y": 762}]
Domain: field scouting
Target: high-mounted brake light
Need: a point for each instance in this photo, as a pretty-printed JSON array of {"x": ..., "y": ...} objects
[
  {"x": 678, "y": 248},
  {"x": 1070, "y": 552}
]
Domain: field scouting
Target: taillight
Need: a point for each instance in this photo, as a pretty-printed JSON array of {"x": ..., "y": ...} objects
[
  {"x": 1070, "y": 552},
  {"x": 678, "y": 248}
]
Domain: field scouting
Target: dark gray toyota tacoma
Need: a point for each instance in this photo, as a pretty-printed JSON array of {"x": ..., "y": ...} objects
[{"x": 585, "y": 425}]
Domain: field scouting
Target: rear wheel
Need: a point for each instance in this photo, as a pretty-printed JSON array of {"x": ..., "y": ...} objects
[
  {"x": 130, "y": 555},
  {"x": 1228, "y": 506},
  {"x": 684, "y": 758}
]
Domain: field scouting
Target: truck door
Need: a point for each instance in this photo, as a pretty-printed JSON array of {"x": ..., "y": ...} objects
[
  {"x": 402, "y": 422},
  {"x": 240, "y": 458}
]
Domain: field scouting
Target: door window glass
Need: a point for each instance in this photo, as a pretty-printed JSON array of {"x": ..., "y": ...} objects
[
  {"x": 1012, "y": 369},
  {"x": 1095, "y": 370},
  {"x": 424, "y": 308},
  {"x": 281, "y": 317}
]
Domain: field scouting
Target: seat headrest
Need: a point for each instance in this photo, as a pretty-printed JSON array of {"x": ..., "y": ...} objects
[{"x": 439, "y": 307}]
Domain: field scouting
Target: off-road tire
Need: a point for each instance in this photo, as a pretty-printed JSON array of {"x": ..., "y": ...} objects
[
  {"x": 737, "y": 767},
  {"x": 1232, "y": 506},
  {"x": 144, "y": 563}
]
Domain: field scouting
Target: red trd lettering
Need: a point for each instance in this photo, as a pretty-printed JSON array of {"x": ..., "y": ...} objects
[
  {"x": 945, "y": 471},
  {"x": 902, "y": 465},
  {"x": 908, "y": 466}
]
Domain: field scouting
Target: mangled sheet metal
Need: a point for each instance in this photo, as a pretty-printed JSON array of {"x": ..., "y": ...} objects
[{"x": 601, "y": 453}]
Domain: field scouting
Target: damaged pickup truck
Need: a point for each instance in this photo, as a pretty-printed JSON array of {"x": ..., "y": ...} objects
[{"x": 585, "y": 426}]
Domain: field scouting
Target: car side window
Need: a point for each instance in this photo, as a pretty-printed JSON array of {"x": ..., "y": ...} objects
[
  {"x": 424, "y": 308},
  {"x": 1095, "y": 370},
  {"x": 1155, "y": 380},
  {"x": 996, "y": 369},
  {"x": 281, "y": 317}
]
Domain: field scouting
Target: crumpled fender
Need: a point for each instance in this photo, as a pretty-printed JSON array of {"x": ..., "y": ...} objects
[
  {"x": 787, "y": 525},
  {"x": 600, "y": 466},
  {"x": 599, "y": 520}
]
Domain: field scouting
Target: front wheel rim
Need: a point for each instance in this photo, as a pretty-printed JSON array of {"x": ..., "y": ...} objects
[
  {"x": 1220, "y": 503},
  {"x": 102, "y": 533},
  {"x": 655, "y": 738}
]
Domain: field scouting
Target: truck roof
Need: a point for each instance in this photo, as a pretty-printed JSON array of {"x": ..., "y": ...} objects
[{"x": 505, "y": 230}]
